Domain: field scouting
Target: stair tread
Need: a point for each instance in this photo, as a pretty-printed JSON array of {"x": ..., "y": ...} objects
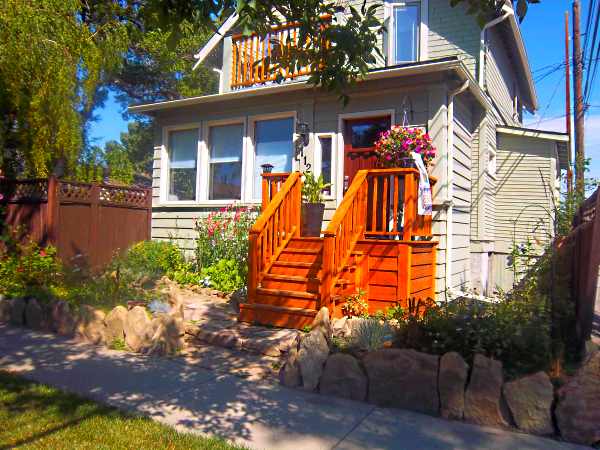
[
  {"x": 286, "y": 293},
  {"x": 277, "y": 276},
  {"x": 296, "y": 264},
  {"x": 307, "y": 238},
  {"x": 312, "y": 251},
  {"x": 279, "y": 308}
]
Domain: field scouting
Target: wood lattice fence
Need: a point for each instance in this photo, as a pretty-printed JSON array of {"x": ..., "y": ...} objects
[{"x": 88, "y": 223}]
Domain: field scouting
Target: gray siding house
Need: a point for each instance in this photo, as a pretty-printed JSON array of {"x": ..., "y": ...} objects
[{"x": 467, "y": 86}]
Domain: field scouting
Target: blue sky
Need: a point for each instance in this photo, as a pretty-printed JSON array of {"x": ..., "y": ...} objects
[{"x": 543, "y": 31}]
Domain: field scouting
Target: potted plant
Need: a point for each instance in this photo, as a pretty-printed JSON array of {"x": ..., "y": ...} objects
[
  {"x": 394, "y": 147},
  {"x": 313, "y": 207}
]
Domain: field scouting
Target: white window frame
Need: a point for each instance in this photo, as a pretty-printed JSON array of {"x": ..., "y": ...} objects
[
  {"x": 318, "y": 160},
  {"x": 423, "y": 53},
  {"x": 164, "y": 163},
  {"x": 205, "y": 161},
  {"x": 338, "y": 164},
  {"x": 250, "y": 154}
]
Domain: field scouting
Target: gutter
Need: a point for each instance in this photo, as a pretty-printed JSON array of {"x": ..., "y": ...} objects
[
  {"x": 508, "y": 11},
  {"x": 449, "y": 202}
]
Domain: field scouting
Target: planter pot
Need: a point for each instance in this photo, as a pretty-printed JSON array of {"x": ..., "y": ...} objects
[
  {"x": 312, "y": 219},
  {"x": 407, "y": 163}
]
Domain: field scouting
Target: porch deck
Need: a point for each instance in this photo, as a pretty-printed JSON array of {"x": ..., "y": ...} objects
[{"x": 375, "y": 242}]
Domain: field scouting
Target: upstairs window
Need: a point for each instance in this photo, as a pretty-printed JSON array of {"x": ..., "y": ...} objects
[{"x": 404, "y": 29}]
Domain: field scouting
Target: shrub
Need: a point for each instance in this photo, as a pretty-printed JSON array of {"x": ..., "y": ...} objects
[
  {"x": 355, "y": 305},
  {"x": 28, "y": 269},
  {"x": 223, "y": 235},
  {"x": 370, "y": 334},
  {"x": 225, "y": 275},
  {"x": 149, "y": 259}
]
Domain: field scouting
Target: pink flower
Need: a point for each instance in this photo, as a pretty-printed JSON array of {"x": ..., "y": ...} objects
[{"x": 42, "y": 253}]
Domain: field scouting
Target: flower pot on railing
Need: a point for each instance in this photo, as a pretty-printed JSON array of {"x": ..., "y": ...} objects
[
  {"x": 395, "y": 147},
  {"x": 313, "y": 208}
]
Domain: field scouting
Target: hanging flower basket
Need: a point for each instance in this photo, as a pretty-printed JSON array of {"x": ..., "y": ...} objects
[{"x": 394, "y": 147}]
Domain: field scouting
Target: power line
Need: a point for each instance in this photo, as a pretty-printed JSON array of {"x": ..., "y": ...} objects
[
  {"x": 559, "y": 84},
  {"x": 592, "y": 45}
]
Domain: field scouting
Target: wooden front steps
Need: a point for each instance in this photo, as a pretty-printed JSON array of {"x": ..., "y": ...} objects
[{"x": 375, "y": 242}]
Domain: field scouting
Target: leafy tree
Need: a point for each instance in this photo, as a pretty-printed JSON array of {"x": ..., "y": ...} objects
[
  {"x": 51, "y": 63},
  {"x": 485, "y": 9}
]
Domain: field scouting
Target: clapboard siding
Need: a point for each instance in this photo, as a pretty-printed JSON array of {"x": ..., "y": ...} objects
[
  {"x": 453, "y": 32},
  {"x": 525, "y": 190},
  {"x": 500, "y": 76}
]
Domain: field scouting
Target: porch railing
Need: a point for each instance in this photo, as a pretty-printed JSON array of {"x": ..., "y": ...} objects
[
  {"x": 251, "y": 56},
  {"x": 274, "y": 228},
  {"x": 380, "y": 203}
]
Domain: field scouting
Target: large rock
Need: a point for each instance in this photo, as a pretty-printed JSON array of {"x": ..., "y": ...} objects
[
  {"x": 17, "y": 311},
  {"x": 323, "y": 324},
  {"x": 482, "y": 399},
  {"x": 34, "y": 315},
  {"x": 168, "y": 336},
  {"x": 312, "y": 354},
  {"x": 578, "y": 410},
  {"x": 115, "y": 324},
  {"x": 529, "y": 400},
  {"x": 63, "y": 320},
  {"x": 138, "y": 329},
  {"x": 452, "y": 380},
  {"x": 403, "y": 379},
  {"x": 343, "y": 377},
  {"x": 5, "y": 309},
  {"x": 90, "y": 325},
  {"x": 289, "y": 374}
]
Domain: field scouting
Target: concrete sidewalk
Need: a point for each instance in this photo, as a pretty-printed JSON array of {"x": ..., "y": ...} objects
[{"x": 256, "y": 414}]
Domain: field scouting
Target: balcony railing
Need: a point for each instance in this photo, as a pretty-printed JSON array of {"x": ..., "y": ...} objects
[{"x": 252, "y": 56}]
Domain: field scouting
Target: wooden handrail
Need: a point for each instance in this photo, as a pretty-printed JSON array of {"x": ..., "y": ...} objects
[
  {"x": 278, "y": 223},
  {"x": 271, "y": 184}
]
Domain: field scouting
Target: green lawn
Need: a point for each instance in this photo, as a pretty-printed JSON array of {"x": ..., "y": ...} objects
[{"x": 37, "y": 416}]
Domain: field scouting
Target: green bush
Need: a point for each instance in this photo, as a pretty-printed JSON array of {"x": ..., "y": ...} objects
[
  {"x": 223, "y": 235},
  {"x": 149, "y": 259},
  {"x": 29, "y": 270},
  {"x": 225, "y": 275}
]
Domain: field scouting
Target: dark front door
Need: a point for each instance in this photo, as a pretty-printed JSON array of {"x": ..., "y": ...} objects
[{"x": 359, "y": 144}]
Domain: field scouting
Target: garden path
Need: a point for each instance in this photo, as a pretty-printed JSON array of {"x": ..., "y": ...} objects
[
  {"x": 216, "y": 340},
  {"x": 257, "y": 414}
]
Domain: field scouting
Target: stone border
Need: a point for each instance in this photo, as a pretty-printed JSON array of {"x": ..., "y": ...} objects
[
  {"x": 445, "y": 386},
  {"x": 162, "y": 334}
]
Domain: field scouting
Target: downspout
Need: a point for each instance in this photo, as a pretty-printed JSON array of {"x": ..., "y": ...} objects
[
  {"x": 220, "y": 73},
  {"x": 449, "y": 202},
  {"x": 508, "y": 11}
]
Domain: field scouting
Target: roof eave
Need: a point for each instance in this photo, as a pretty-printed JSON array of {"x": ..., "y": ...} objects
[
  {"x": 452, "y": 64},
  {"x": 532, "y": 101}
]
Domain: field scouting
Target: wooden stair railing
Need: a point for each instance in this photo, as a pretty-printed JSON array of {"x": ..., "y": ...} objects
[
  {"x": 345, "y": 229},
  {"x": 278, "y": 223},
  {"x": 271, "y": 185},
  {"x": 380, "y": 204}
]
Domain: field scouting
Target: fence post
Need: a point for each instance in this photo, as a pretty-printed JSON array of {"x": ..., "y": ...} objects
[
  {"x": 94, "y": 224},
  {"x": 53, "y": 212},
  {"x": 410, "y": 204}
]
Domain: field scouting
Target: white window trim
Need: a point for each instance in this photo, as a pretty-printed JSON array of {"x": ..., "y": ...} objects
[
  {"x": 423, "y": 29},
  {"x": 250, "y": 154},
  {"x": 338, "y": 164},
  {"x": 164, "y": 163},
  {"x": 205, "y": 158},
  {"x": 318, "y": 160}
]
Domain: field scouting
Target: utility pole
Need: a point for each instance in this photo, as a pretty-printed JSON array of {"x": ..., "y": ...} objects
[
  {"x": 579, "y": 109},
  {"x": 568, "y": 105}
]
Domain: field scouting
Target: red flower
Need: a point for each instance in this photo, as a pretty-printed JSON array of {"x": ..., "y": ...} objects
[{"x": 43, "y": 253}]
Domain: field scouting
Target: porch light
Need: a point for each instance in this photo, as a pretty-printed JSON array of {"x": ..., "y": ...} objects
[{"x": 267, "y": 168}]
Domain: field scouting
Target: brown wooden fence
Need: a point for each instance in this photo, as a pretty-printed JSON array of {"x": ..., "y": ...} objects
[
  {"x": 87, "y": 223},
  {"x": 585, "y": 238}
]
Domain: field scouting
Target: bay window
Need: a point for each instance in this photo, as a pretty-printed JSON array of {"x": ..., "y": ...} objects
[
  {"x": 182, "y": 158},
  {"x": 225, "y": 162},
  {"x": 273, "y": 144}
]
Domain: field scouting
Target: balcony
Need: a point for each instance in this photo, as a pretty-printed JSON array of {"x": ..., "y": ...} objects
[{"x": 253, "y": 56}]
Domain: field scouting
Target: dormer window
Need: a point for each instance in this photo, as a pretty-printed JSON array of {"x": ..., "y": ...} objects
[{"x": 406, "y": 31}]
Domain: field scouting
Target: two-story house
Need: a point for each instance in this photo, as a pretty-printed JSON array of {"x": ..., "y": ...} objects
[{"x": 467, "y": 86}]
